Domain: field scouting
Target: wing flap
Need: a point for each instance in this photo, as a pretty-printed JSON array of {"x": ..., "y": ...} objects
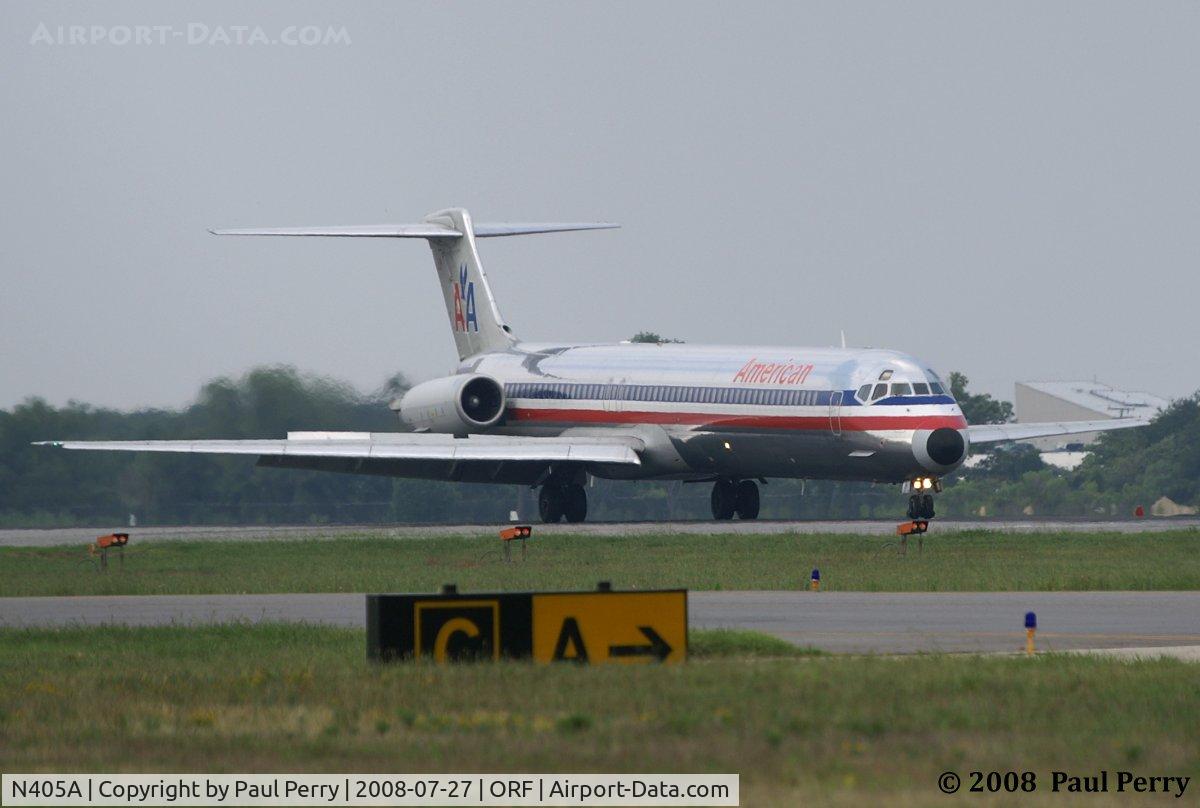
[
  {"x": 992, "y": 433},
  {"x": 394, "y": 446}
]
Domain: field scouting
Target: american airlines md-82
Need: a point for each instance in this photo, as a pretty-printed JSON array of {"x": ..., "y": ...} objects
[{"x": 548, "y": 415}]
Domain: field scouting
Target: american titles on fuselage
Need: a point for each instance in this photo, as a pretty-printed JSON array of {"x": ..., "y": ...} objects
[{"x": 755, "y": 372}]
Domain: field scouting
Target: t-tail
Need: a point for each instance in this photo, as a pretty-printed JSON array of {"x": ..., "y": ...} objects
[{"x": 474, "y": 316}]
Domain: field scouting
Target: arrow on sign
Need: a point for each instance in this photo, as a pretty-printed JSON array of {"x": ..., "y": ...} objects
[{"x": 657, "y": 648}]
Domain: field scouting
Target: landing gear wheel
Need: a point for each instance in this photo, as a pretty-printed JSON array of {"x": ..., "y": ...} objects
[
  {"x": 747, "y": 500},
  {"x": 724, "y": 499},
  {"x": 574, "y": 502},
  {"x": 927, "y": 506},
  {"x": 550, "y": 504},
  {"x": 914, "y": 507}
]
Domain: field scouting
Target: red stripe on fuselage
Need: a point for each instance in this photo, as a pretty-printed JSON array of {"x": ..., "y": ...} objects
[{"x": 850, "y": 423}]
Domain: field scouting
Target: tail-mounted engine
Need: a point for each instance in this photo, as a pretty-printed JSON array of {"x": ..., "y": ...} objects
[{"x": 456, "y": 404}]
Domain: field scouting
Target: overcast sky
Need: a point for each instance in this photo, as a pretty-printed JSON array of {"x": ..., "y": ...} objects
[{"x": 1009, "y": 190}]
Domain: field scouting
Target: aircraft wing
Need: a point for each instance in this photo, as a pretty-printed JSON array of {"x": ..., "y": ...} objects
[
  {"x": 391, "y": 446},
  {"x": 992, "y": 433}
]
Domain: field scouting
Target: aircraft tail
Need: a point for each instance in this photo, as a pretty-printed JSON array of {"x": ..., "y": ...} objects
[{"x": 474, "y": 316}]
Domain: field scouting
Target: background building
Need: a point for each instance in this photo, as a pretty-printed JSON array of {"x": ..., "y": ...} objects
[{"x": 1079, "y": 401}]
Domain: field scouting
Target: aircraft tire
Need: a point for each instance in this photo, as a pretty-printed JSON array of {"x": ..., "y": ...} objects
[
  {"x": 550, "y": 504},
  {"x": 574, "y": 503},
  {"x": 724, "y": 499},
  {"x": 914, "y": 507},
  {"x": 748, "y": 500},
  {"x": 927, "y": 511}
]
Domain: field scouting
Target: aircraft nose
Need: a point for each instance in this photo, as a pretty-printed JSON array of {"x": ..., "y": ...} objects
[{"x": 940, "y": 449}]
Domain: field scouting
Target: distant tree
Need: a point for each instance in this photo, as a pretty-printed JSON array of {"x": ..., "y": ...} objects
[
  {"x": 653, "y": 337},
  {"x": 1161, "y": 459},
  {"x": 45, "y": 486},
  {"x": 978, "y": 408},
  {"x": 1010, "y": 462}
]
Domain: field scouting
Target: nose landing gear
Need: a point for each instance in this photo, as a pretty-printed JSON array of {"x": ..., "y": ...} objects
[
  {"x": 920, "y": 506},
  {"x": 740, "y": 498},
  {"x": 920, "y": 500}
]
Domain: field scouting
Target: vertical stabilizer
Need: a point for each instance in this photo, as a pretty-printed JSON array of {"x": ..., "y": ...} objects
[{"x": 474, "y": 317}]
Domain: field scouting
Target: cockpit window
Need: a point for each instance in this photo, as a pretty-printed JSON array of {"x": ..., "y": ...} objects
[
  {"x": 936, "y": 388},
  {"x": 880, "y": 392},
  {"x": 901, "y": 389},
  {"x": 864, "y": 392},
  {"x": 920, "y": 388},
  {"x": 883, "y": 377}
]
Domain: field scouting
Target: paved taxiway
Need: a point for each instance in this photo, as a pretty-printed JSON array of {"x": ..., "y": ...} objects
[
  {"x": 855, "y": 622},
  {"x": 48, "y": 537}
]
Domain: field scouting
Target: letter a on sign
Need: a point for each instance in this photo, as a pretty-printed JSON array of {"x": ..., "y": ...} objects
[
  {"x": 570, "y": 638},
  {"x": 626, "y": 628}
]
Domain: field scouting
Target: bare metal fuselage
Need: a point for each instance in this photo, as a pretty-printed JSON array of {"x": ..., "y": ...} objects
[{"x": 733, "y": 412}]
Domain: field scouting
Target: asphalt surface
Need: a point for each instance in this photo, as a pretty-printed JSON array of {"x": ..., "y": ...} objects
[
  {"x": 854, "y": 622},
  {"x": 138, "y": 535}
]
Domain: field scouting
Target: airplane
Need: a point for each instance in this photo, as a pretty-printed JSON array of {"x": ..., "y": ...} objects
[{"x": 548, "y": 415}]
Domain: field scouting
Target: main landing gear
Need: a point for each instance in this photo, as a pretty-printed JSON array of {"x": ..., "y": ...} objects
[
  {"x": 556, "y": 501},
  {"x": 730, "y": 497}
]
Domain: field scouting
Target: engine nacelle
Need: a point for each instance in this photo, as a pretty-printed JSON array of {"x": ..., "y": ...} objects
[
  {"x": 456, "y": 404},
  {"x": 940, "y": 450}
]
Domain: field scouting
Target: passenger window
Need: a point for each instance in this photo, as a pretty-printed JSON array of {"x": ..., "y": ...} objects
[
  {"x": 864, "y": 393},
  {"x": 880, "y": 392},
  {"x": 903, "y": 389},
  {"x": 921, "y": 388}
]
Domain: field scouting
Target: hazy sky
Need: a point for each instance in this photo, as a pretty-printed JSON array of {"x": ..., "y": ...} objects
[{"x": 1012, "y": 190}]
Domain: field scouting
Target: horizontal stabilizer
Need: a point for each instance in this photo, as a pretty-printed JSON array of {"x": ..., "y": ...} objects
[
  {"x": 532, "y": 228},
  {"x": 992, "y": 433},
  {"x": 470, "y": 306},
  {"x": 422, "y": 230}
]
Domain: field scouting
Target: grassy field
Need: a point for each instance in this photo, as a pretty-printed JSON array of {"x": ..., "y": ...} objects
[
  {"x": 966, "y": 561},
  {"x": 296, "y": 698}
]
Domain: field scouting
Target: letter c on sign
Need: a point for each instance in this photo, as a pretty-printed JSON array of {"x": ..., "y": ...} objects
[{"x": 449, "y": 629}]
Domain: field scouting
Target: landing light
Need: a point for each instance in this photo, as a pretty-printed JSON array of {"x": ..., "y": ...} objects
[{"x": 727, "y": 446}]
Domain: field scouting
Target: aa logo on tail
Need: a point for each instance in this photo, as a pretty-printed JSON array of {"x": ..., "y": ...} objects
[{"x": 464, "y": 302}]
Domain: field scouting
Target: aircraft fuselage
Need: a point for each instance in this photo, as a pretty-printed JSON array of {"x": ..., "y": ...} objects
[{"x": 736, "y": 412}]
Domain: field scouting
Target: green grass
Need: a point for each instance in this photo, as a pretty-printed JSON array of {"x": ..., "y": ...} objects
[
  {"x": 966, "y": 561},
  {"x": 731, "y": 642},
  {"x": 812, "y": 728}
]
